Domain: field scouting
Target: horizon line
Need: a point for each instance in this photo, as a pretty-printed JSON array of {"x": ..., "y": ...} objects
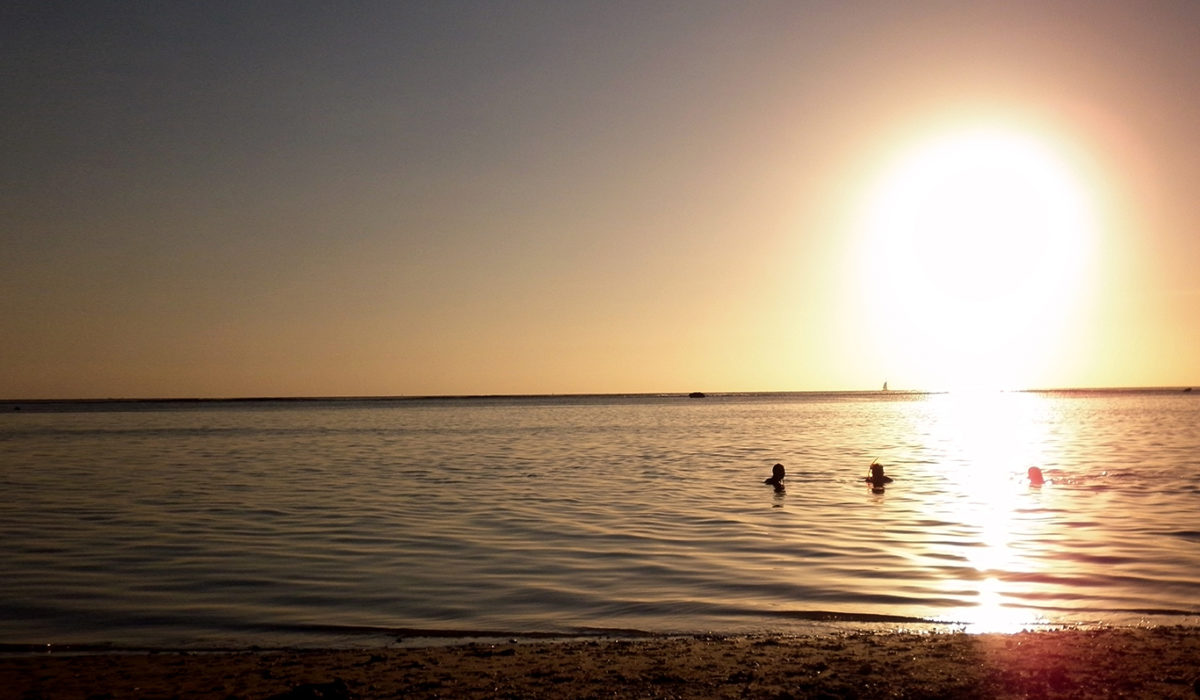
[{"x": 683, "y": 394}]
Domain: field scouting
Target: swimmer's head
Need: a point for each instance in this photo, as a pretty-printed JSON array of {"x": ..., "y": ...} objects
[
  {"x": 876, "y": 469},
  {"x": 777, "y": 472},
  {"x": 1035, "y": 476}
]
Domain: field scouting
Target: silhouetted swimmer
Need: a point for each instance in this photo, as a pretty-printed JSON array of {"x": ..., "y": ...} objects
[
  {"x": 776, "y": 479},
  {"x": 877, "y": 478},
  {"x": 1035, "y": 477}
]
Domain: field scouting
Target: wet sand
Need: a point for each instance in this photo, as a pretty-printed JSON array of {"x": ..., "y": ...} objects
[{"x": 1150, "y": 663}]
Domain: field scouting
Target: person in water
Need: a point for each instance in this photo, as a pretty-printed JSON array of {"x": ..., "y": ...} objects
[
  {"x": 776, "y": 479},
  {"x": 1035, "y": 477},
  {"x": 877, "y": 478}
]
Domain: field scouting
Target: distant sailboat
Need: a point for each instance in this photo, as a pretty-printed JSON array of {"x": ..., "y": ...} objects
[{"x": 885, "y": 386}]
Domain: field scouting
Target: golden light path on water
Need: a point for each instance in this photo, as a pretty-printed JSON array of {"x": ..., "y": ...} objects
[{"x": 997, "y": 434}]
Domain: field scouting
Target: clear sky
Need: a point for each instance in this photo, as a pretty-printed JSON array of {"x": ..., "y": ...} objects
[{"x": 300, "y": 199}]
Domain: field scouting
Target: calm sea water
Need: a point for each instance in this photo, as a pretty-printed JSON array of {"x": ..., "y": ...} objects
[{"x": 346, "y": 522}]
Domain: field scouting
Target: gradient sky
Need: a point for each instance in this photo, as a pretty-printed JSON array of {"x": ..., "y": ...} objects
[{"x": 300, "y": 199}]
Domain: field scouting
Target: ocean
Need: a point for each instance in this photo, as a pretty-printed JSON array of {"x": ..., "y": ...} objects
[{"x": 218, "y": 524}]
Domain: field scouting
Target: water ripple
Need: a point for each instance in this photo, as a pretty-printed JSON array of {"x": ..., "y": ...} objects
[{"x": 239, "y": 522}]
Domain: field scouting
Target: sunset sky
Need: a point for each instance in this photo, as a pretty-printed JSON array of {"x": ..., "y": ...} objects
[{"x": 410, "y": 198}]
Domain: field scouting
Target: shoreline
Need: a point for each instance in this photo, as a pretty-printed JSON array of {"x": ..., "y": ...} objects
[{"x": 1063, "y": 663}]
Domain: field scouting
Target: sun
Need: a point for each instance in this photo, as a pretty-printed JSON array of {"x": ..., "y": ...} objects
[{"x": 976, "y": 246}]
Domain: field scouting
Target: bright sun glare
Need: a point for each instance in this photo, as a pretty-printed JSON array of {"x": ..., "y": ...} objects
[{"x": 977, "y": 249}]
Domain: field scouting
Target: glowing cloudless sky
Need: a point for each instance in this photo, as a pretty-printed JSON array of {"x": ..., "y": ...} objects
[{"x": 471, "y": 198}]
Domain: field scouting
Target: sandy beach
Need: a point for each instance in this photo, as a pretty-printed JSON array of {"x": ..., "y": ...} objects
[{"x": 1153, "y": 663}]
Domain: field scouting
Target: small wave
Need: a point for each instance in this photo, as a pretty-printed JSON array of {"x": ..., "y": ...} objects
[
  {"x": 401, "y": 633},
  {"x": 1193, "y": 535},
  {"x": 835, "y": 616},
  {"x": 1161, "y": 612}
]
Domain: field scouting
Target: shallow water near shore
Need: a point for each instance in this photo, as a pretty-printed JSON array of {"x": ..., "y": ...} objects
[{"x": 338, "y": 522}]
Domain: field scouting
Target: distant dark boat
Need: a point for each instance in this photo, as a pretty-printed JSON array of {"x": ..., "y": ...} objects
[
  {"x": 1187, "y": 390},
  {"x": 696, "y": 395}
]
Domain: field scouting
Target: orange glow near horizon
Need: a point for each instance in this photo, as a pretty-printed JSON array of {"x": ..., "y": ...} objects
[
  {"x": 601, "y": 199},
  {"x": 978, "y": 242}
]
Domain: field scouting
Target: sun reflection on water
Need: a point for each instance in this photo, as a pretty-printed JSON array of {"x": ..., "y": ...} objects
[{"x": 991, "y": 439}]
